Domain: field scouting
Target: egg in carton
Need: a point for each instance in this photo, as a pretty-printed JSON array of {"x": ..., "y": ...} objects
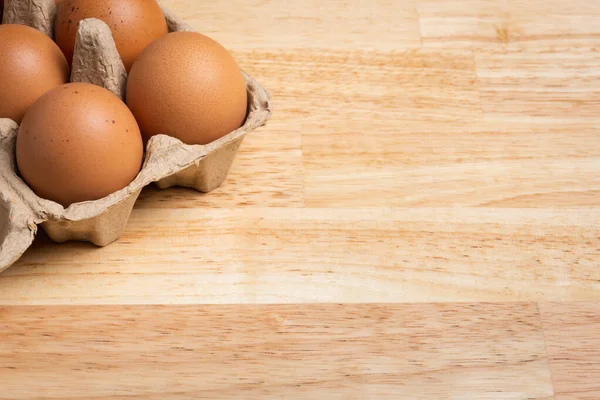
[{"x": 168, "y": 162}]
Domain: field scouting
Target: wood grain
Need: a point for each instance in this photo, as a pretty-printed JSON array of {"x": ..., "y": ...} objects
[
  {"x": 270, "y": 255},
  {"x": 573, "y": 343},
  {"x": 284, "y": 24},
  {"x": 509, "y": 23},
  {"x": 488, "y": 164},
  {"x": 474, "y": 351},
  {"x": 387, "y": 174},
  {"x": 551, "y": 86},
  {"x": 420, "y": 151}
]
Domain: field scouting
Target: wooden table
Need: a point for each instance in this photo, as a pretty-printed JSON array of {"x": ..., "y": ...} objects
[{"x": 419, "y": 220}]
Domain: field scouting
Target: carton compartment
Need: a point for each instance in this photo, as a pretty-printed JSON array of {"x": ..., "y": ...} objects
[{"x": 100, "y": 230}]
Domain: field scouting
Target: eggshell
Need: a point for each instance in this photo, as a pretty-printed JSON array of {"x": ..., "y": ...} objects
[
  {"x": 188, "y": 86},
  {"x": 134, "y": 24},
  {"x": 30, "y": 65},
  {"x": 77, "y": 143}
]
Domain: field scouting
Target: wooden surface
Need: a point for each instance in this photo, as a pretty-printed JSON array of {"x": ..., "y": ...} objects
[{"x": 424, "y": 208}]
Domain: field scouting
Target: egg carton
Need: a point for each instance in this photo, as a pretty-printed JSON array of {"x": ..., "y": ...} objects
[{"x": 168, "y": 162}]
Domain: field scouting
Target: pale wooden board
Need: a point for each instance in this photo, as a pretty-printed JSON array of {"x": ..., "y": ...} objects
[
  {"x": 286, "y": 24},
  {"x": 572, "y": 333},
  {"x": 417, "y": 134},
  {"x": 547, "y": 86},
  {"x": 419, "y": 151},
  {"x": 498, "y": 164},
  {"x": 485, "y": 351},
  {"x": 320, "y": 204},
  {"x": 509, "y": 23},
  {"x": 285, "y": 255}
]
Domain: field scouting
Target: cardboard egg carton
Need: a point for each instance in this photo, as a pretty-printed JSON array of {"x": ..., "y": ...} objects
[{"x": 168, "y": 162}]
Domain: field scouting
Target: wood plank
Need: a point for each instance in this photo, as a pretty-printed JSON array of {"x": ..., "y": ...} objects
[
  {"x": 253, "y": 255},
  {"x": 573, "y": 342},
  {"x": 498, "y": 164},
  {"x": 284, "y": 24},
  {"x": 376, "y": 90},
  {"x": 509, "y": 23},
  {"x": 474, "y": 351},
  {"x": 431, "y": 145},
  {"x": 547, "y": 86}
]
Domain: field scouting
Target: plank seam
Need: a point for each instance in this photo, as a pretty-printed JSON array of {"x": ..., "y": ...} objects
[
  {"x": 419, "y": 24},
  {"x": 537, "y": 305}
]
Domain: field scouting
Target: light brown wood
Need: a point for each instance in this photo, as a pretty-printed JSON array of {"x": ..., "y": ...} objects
[
  {"x": 572, "y": 337},
  {"x": 509, "y": 23},
  {"x": 281, "y": 255},
  {"x": 485, "y": 351},
  {"x": 385, "y": 25},
  {"x": 551, "y": 86},
  {"x": 388, "y": 173},
  {"x": 420, "y": 151}
]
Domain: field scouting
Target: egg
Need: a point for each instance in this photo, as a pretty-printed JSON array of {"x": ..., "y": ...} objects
[
  {"x": 188, "y": 86},
  {"x": 78, "y": 142},
  {"x": 30, "y": 65},
  {"x": 134, "y": 24}
]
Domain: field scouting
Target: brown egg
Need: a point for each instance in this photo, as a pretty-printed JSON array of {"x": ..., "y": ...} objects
[
  {"x": 188, "y": 86},
  {"x": 78, "y": 142},
  {"x": 134, "y": 24},
  {"x": 30, "y": 65}
]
